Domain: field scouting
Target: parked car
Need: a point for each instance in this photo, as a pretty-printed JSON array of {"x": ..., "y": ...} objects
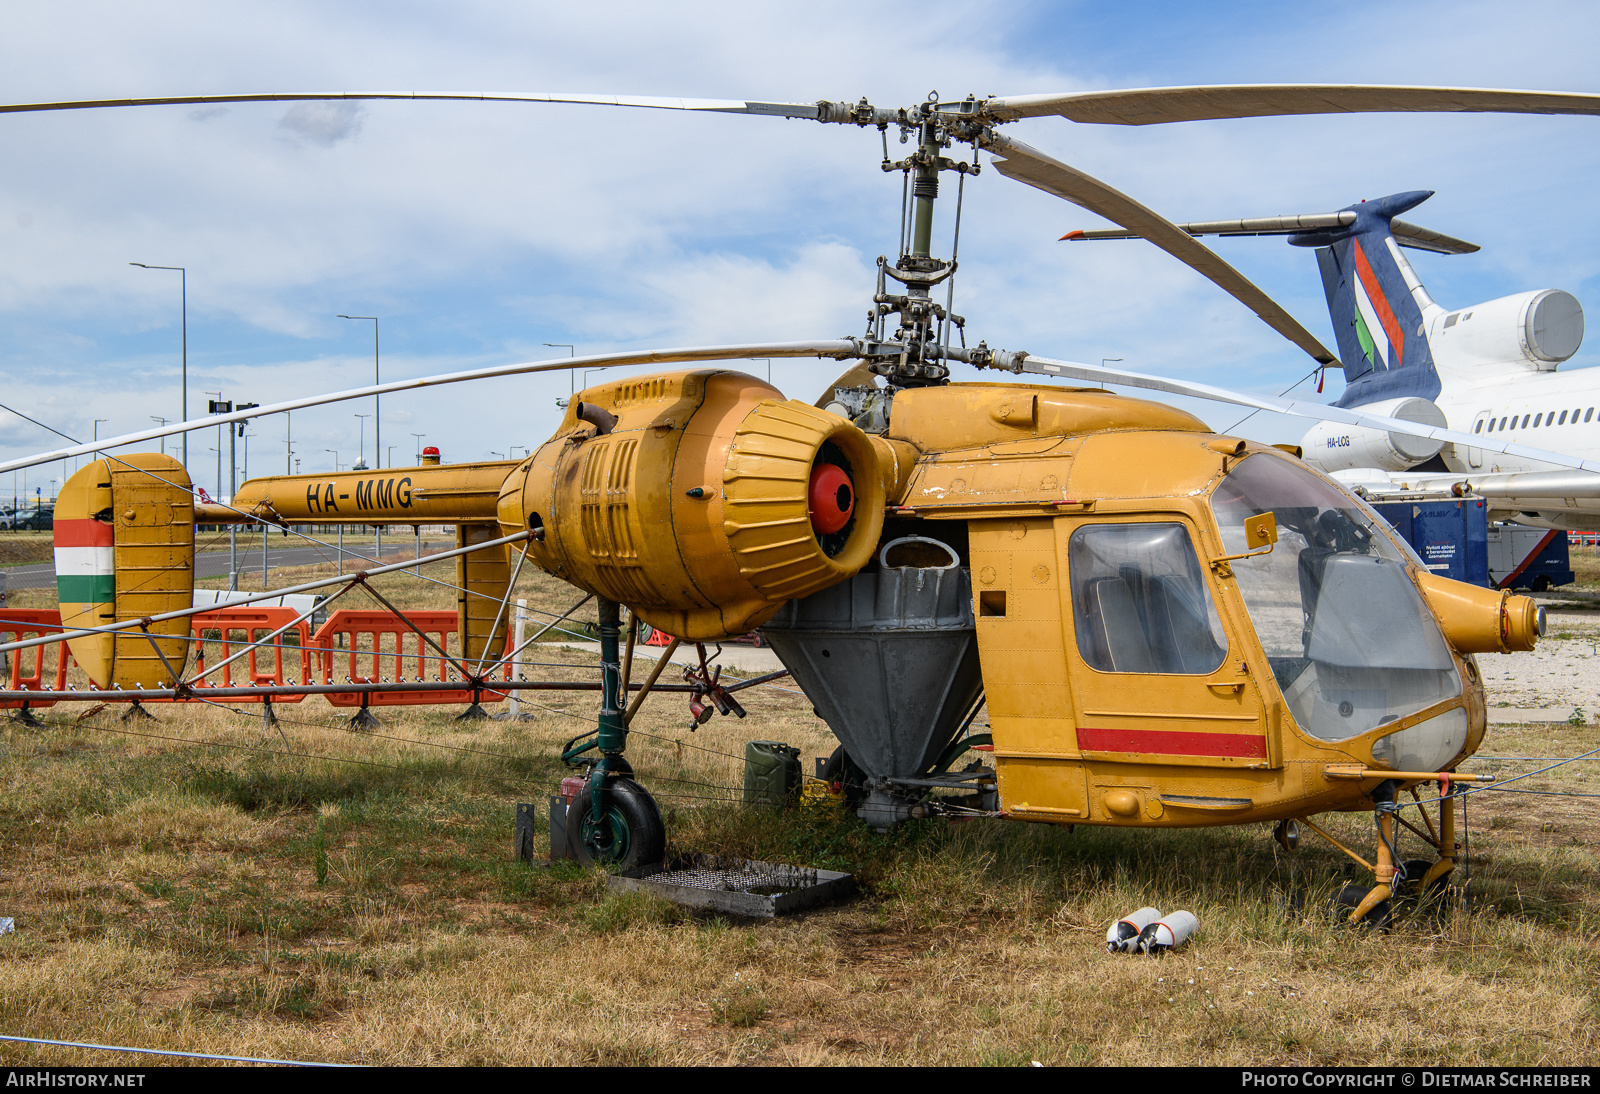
[{"x": 38, "y": 520}]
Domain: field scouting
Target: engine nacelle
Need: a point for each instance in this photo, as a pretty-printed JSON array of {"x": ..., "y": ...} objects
[
  {"x": 1330, "y": 447},
  {"x": 700, "y": 499},
  {"x": 1541, "y": 329}
]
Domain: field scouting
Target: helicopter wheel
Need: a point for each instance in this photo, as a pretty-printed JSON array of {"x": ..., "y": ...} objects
[
  {"x": 1437, "y": 896},
  {"x": 841, "y": 769},
  {"x": 630, "y": 833},
  {"x": 1380, "y": 918}
]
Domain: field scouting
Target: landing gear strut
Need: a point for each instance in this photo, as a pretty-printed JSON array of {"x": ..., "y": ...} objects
[
  {"x": 613, "y": 821},
  {"x": 1399, "y": 885}
]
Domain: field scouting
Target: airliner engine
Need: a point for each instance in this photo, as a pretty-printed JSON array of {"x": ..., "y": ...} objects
[
  {"x": 1332, "y": 447},
  {"x": 1541, "y": 328}
]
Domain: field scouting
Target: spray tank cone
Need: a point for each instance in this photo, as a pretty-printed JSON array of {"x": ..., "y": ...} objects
[
  {"x": 1123, "y": 937},
  {"x": 1168, "y": 933}
]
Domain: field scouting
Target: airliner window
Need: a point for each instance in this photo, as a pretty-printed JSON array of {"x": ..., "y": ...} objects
[
  {"x": 1563, "y": 420},
  {"x": 1350, "y": 641},
  {"x": 1478, "y": 428},
  {"x": 1588, "y": 414},
  {"x": 1140, "y": 602}
]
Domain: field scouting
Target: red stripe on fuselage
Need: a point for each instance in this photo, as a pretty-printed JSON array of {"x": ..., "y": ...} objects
[
  {"x": 1391, "y": 327},
  {"x": 82, "y": 533},
  {"x": 1171, "y": 742}
]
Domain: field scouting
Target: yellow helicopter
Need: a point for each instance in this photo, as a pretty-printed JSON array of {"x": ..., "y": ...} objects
[{"x": 1168, "y": 627}]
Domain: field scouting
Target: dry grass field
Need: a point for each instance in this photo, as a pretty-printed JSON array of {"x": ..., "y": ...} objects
[{"x": 202, "y": 884}]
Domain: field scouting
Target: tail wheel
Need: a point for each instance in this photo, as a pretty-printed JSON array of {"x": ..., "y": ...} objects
[{"x": 629, "y": 833}]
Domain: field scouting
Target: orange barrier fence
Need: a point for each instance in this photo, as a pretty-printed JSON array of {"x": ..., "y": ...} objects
[
  {"x": 243, "y": 625},
  {"x": 49, "y": 660},
  {"x": 361, "y": 647},
  {"x": 366, "y": 647}
]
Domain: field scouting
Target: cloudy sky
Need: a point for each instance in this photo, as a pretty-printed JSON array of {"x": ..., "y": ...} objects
[{"x": 477, "y": 232}]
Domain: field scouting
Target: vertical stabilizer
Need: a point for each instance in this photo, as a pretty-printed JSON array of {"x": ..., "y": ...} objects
[{"x": 1376, "y": 302}]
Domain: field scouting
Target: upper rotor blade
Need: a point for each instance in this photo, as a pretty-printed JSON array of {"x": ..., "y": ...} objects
[
  {"x": 838, "y": 348},
  {"x": 1026, "y": 164},
  {"x": 1300, "y": 408},
  {"x": 1154, "y": 105},
  {"x": 724, "y": 106}
]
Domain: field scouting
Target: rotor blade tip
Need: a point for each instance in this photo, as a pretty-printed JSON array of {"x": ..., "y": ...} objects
[{"x": 1075, "y": 234}]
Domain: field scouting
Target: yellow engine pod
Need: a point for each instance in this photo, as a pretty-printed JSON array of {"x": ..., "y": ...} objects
[
  {"x": 124, "y": 549},
  {"x": 1477, "y": 620},
  {"x": 684, "y": 496}
]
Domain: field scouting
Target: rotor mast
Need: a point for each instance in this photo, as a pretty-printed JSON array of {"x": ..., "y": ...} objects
[{"x": 912, "y": 355}]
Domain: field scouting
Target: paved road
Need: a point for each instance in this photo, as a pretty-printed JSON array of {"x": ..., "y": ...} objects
[
  {"x": 42, "y": 575},
  {"x": 743, "y": 658}
]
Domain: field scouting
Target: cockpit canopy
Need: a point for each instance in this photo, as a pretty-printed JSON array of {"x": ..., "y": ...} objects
[{"x": 1352, "y": 644}]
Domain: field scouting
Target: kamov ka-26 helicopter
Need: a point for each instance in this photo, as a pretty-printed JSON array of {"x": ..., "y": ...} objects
[{"x": 1169, "y": 627}]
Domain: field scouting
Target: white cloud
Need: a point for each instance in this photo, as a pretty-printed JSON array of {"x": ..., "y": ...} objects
[
  {"x": 324, "y": 124},
  {"x": 480, "y": 230}
]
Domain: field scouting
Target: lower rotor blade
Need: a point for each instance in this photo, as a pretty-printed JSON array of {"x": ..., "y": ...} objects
[
  {"x": 1300, "y": 408},
  {"x": 1027, "y": 164},
  {"x": 839, "y": 349},
  {"x": 721, "y": 106},
  {"x": 1154, "y": 105}
]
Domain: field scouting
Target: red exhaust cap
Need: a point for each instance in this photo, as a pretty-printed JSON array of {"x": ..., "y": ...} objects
[{"x": 832, "y": 498}]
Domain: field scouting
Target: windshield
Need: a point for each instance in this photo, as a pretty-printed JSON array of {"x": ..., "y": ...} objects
[{"x": 1351, "y": 643}]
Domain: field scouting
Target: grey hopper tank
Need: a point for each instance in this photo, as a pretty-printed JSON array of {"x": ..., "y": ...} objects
[{"x": 889, "y": 659}]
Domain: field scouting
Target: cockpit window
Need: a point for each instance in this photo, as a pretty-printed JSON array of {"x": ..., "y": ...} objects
[
  {"x": 1351, "y": 643},
  {"x": 1140, "y": 602}
]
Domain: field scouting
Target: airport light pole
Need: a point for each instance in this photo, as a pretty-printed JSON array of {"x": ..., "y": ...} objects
[
  {"x": 377, "y": 424},
  {"x": 184, "y": 283},
  {"x": 161, "y": 421},
  {"x": 97, "y": 422},
  {"x": 419, "y": 437},
  {"x": 335, "y": 452},
  {"x": 571, "y": 375},
  {"x": 361, "y": 442},
  {"x": 215, "y": 405},
  {"x": 1104, "y": 361}
]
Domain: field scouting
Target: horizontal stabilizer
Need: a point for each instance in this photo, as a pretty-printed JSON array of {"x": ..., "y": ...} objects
[{"x": 1405, "y": 234}]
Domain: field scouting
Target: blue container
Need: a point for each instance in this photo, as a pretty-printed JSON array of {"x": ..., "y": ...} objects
[{"x": 1450, "y": 536}]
